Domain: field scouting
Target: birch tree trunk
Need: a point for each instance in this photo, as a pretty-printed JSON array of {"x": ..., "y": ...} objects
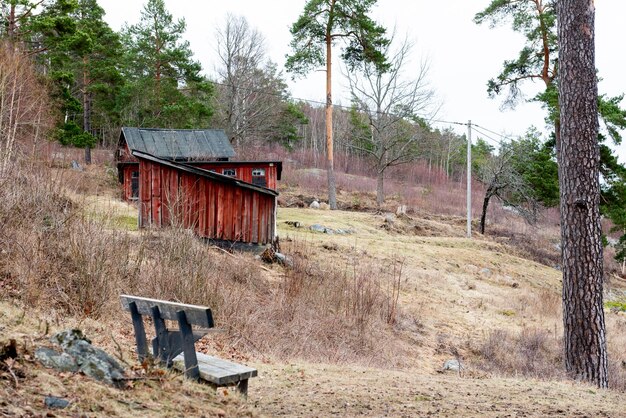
[{"x": 579, "y": 157}]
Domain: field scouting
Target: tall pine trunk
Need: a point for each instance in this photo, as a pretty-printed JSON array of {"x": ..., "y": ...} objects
[
  {"x": 579, "y": 157},
  {"x": 332, "y": 188}
]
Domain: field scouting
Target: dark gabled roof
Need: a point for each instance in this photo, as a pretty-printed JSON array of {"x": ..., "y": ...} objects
[
  {"x": 179, "y": 144},
  {"x": 204, "y": 173}
]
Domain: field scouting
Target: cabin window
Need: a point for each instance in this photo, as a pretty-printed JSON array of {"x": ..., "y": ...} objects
[
  {"x": 134, "y": 185},
  {"x": 258, "y": 177},
  {"x": 229, "y": 172}
]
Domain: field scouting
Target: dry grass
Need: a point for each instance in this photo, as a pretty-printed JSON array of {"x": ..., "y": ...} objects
[
  {"x": 72, "y": 258},
  {"x": 153, "y": 394},
  {"x": 69, "y": 255}
]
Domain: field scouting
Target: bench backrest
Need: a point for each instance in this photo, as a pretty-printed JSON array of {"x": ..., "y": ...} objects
[{"x": 196, "y": 315}]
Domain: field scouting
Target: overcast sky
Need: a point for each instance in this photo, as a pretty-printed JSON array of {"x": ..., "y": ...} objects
[{"x": 462, "y": 55}]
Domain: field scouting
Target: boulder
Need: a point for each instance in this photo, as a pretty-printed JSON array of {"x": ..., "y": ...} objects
[
  {"x": 79, "y": 355},
  {"x": 283, "y": 259},
  {"x": 53, "y": 402},
  {"x": 53, "y": 359},
  {"x": 314, "y": 204},
  {"x": 324, "y": 206},
  {"x": 317, "y": 228}
]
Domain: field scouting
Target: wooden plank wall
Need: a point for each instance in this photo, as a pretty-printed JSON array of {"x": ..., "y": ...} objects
[
  {"x": 244, "y": 171},
  {"x": 212, "y": 209}
]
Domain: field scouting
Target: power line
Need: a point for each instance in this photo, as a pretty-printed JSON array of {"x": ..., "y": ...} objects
[
  {"x": 495, "y": 133},
  {"x": 487, "y": 136}
]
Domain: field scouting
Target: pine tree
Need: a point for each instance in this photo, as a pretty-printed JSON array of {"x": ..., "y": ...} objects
[
  {"x": 581, "y": 232},
  {"x": 165, "y": 87},
  {"x": 322, "y": 24}
]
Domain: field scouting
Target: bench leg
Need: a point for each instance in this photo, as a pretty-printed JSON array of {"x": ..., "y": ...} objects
[
  {"x": 160, "y": 345},
  {"x": 242, "y": 387},
  {"x": 189, "y": 351},
  {"x": 140, "y": 332}
]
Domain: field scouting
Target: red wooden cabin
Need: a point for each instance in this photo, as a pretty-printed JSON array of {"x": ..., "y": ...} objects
[
  {"x": 204, "y": 148},
  {"x": 214, "y": 205}
]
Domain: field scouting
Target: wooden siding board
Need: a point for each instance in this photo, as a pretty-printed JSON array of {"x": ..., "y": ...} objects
[
  {"x": 246, "y": 215},
  {"x": 212, "y": 215},
  {"x": 237, "y": 214},
  {"x": 220, "y": 212},
  {"x": 145, "y": 193},
  {"x": 201, "y": 207},
  {"x": 230, "y": 213},
  {"x": 255, "y": 218},
  {"x": 155, "y": 198}
]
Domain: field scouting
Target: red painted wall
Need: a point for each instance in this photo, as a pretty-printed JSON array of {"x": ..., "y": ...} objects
[
  {"x": 213, "y": 209},
  {"x": 243, "y": 171}
]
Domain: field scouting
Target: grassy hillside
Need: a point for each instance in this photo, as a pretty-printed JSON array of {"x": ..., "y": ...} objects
[{"x": 362, "y": 323}]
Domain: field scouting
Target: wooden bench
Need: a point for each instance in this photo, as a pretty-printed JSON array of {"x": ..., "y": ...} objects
[{"x": 176, "y": 348}]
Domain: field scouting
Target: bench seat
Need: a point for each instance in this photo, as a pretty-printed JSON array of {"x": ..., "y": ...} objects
[{"x": 217, "y": 371}]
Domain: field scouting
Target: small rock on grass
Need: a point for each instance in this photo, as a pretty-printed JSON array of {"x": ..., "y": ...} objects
[
  {"x": 56, "y": 403},
  {"x": 452, "y": 365},
  {"x": 317, "y": 228}
]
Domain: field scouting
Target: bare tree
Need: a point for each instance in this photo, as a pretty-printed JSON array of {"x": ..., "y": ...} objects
[
  {"x": 251, "y": 88},
  {"x": 507, "y": 185},
  {"x": 579, "y": 163},
  {"x": 393, "y": 106},
  {"x": 24, "y": 105}
]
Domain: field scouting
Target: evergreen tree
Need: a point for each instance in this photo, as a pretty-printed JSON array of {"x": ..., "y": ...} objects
[
  {"x": 322, "y": 24},
  {"x": 165, "y": 87},
  {"x": 579, "y": 166},
  {"x": 537, "y": 21},
  {"x": 97, "y": 57}
]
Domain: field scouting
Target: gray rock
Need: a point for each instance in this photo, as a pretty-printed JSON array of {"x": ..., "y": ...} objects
[
  {"x": 68, "y": 337},
  {"x": 56, "y": 360},
  {"x": 485, "y": 272},
  {"x": 96, "y": 363},
  {"x": 76, "y": 166},
  {"x": 452, "y": 365},
  {"x": 317, "y": 228},
  {"x": 314, "y": 204},
  {"x": 56, "y": 403},
  {"x": 284, "y": 260},
  {"x": 92, "y": 361}
]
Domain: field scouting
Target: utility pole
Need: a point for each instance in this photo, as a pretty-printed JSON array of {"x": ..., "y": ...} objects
[{"x": 469, "y": 179}]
